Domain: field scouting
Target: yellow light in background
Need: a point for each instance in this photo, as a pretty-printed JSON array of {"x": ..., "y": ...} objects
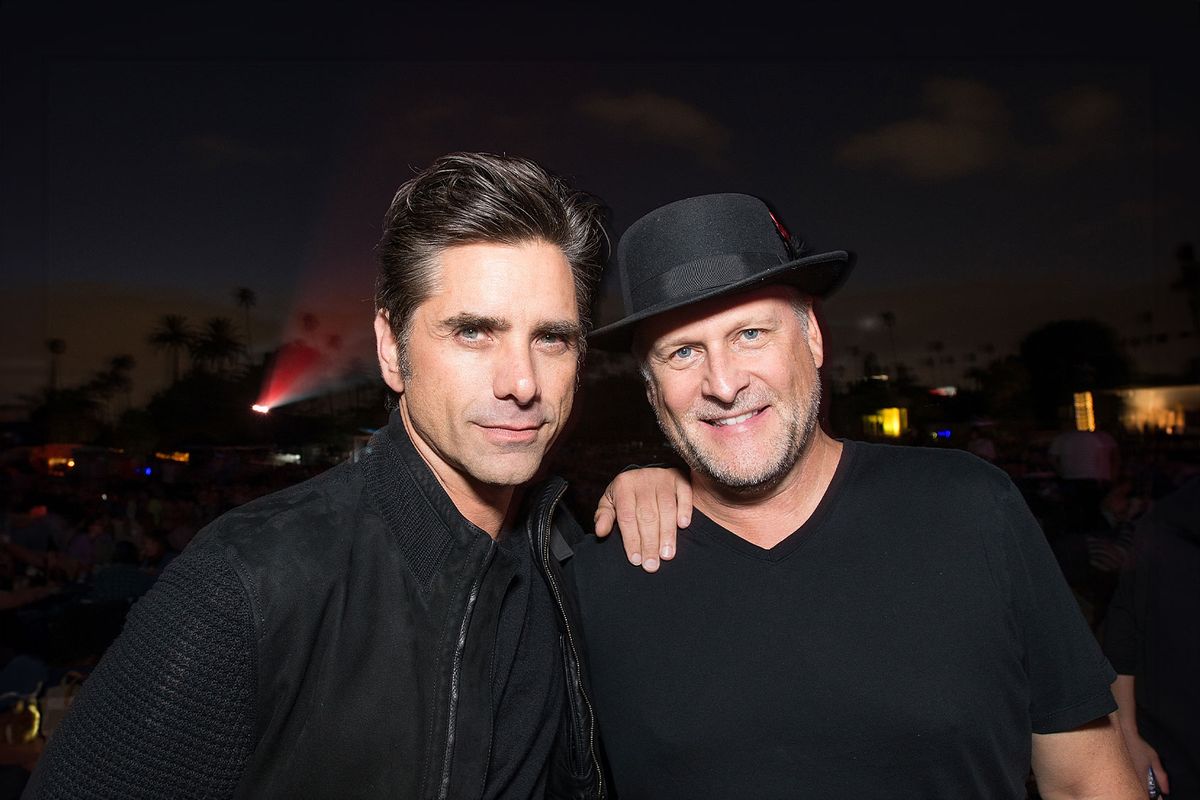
[
  {"x": 889, "y": 422},
  {"x": 1085, "y": 413},
  {"x": 1158, "y": 408},
  {"x": 178, "y": 456}
]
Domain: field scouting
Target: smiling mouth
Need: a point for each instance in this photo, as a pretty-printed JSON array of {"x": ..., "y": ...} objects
[{"x": 725, "y": 422}]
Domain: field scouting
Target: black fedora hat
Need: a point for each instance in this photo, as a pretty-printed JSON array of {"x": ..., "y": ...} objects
[{"x": 707, "y": 246}]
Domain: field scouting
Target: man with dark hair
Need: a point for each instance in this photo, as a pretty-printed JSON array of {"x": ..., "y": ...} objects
[
  {"x": 844, "y": 619},
  {"x": 395, "y": 627}
]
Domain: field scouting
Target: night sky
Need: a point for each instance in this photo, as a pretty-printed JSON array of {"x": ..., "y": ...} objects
[{"x": 990, "y": 173}]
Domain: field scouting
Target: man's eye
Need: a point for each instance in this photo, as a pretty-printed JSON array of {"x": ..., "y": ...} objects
[
  {"x": 470, "y": 333},
  {"x": 682, "y": 354},
  {"x": 750, "y": 334}
]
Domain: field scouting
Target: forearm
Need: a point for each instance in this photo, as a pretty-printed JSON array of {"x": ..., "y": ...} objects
[
  {"x": 1088, "y": 763},
  {"x": 1123, "y": 690}
]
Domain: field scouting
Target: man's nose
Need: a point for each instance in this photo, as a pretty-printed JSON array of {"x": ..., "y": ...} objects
[
  {"x": 723, "y": 377},
  {"x": 516, "y": 376}
]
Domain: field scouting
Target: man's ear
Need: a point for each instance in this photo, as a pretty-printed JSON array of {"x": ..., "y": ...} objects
[
  {"x": 651, "y": 390},
  {"x": 816, "y": 343},
  {"x": 388, "y": 351}
]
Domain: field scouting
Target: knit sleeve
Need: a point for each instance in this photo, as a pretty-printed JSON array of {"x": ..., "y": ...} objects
[{"x": 169, "y": 710}]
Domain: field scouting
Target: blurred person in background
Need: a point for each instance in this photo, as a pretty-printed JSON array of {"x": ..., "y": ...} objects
[{"x": 1152, "y": 638}]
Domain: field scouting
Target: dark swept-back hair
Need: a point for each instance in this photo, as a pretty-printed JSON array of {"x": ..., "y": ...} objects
[{"x": 476, "y": 198}]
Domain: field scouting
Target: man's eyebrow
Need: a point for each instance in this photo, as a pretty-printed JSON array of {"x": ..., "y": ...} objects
[
  {"x": 466, "y": 319},
  {"x": 571, "y": 331}
]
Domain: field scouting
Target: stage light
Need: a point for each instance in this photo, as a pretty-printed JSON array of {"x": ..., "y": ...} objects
[{"x": 260, "y": 408}]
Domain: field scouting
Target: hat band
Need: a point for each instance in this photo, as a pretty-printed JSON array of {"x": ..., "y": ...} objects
[{"x": 710, "y": 272}]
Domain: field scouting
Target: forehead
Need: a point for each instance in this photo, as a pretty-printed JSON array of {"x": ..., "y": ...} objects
[
  {"x": 504, "y": 280},
  {"x": 717, "y": 313}
]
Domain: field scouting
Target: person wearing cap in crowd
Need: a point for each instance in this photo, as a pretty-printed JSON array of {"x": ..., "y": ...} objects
[{"x": 842, "y": 619}]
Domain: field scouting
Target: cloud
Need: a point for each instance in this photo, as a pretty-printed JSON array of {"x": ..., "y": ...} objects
[
  {"x": 965, "y": 129},
  {"x": 1084, "y": 112},
  {"x": 1086, "y": 125},
  {"x": 660, "y": 119}
]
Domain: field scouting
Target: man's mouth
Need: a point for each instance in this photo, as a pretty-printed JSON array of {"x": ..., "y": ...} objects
[
  {"x": 725, "y": 422},
  {"x": 533, "y": 426},
  {"x": 512, "y": 432}
]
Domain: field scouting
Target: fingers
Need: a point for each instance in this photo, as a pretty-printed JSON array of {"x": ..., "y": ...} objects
[
  {"x": 1160, "y": 773},
  {"x": 651, "y": 497},
  {"x": 675, "y": 503},
  {"x": 626, "y": 501},
  {"x": 602, "y": 520},
  {"x": 648, "y": 505}
]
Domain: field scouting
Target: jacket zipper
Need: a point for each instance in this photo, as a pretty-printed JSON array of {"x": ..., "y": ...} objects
[
  {"x": 545, "y": 533},
  {"x": 456, "y": 670}
]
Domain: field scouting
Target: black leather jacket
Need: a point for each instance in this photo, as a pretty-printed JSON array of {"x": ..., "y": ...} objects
[{"x": 375, "y": 607}]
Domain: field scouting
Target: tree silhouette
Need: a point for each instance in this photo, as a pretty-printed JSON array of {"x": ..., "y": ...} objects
[
  {"x": 1188, "y": 282},
  {"x": 173, "y": 336},
  {"x": 889, "y": 322},
  {"x": 112, "y": 379},
  {"x": 246, "y": 300},
  {"x": 217, "y": 345},
  {"x": 119, "y": 367},
  {"x": 56, "y": 347},
  {"x": 1070, "y": 356},
  {"x": 936, "y": 348}
]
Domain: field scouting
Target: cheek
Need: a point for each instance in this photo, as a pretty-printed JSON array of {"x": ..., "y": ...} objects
[
  {"x": 558, "y": 383},
  {"x": 674, "y": 397}
]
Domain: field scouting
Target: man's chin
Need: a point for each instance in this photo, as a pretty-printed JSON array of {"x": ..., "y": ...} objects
[{"x": 506, "y": 471}]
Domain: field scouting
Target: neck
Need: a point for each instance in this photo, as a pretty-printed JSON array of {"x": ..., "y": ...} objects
[
  {"x": 484, "y": 505},
  {"x": 768, "y": 517}
]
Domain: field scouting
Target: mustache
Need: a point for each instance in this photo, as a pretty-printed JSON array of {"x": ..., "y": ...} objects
[{"x": 707, "y": 409}]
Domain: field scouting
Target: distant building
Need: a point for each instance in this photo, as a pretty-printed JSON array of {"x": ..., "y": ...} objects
[{"x": 1165, "y": 409}]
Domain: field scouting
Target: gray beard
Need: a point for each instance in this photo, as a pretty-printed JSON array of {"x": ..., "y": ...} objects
[{"x": 798, "y": 435}]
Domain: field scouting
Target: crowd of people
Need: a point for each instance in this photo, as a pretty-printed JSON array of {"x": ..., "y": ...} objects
[{"x": 75, "y": 554}]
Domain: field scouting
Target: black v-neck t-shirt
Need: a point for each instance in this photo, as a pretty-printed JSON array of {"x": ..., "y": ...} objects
[{"x": 906, "y": 641}]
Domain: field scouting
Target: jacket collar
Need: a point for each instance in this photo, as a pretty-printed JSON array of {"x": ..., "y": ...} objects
[
  {"x": 420, "y": 516},
  {"x": 423, "y": 520}
]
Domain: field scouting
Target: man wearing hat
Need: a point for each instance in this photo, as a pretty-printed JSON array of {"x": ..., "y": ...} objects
[{"x": 844, "y": 619}]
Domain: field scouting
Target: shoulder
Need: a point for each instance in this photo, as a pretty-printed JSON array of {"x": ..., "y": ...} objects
[
  {"x": 322, "y": 498},
  {"x": 926, "y": 467},
  {"x": 307, "y": 521}
]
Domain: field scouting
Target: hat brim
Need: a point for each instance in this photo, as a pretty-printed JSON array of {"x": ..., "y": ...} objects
[{"x": 817, "y": 275}]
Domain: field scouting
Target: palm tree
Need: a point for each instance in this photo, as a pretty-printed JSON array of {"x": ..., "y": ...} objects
[
  {"x": 217, "y": 344},
  {"x": 119, "y": 367},
  {"x": 174, "y": 336},
  {"x": 246, "y": 300},
  {"x": 889, "y": 322},
  {"x": 936, "y": 348},
  {"x": 114, "y": 378},
  {"x": 56, "y": 347}
]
